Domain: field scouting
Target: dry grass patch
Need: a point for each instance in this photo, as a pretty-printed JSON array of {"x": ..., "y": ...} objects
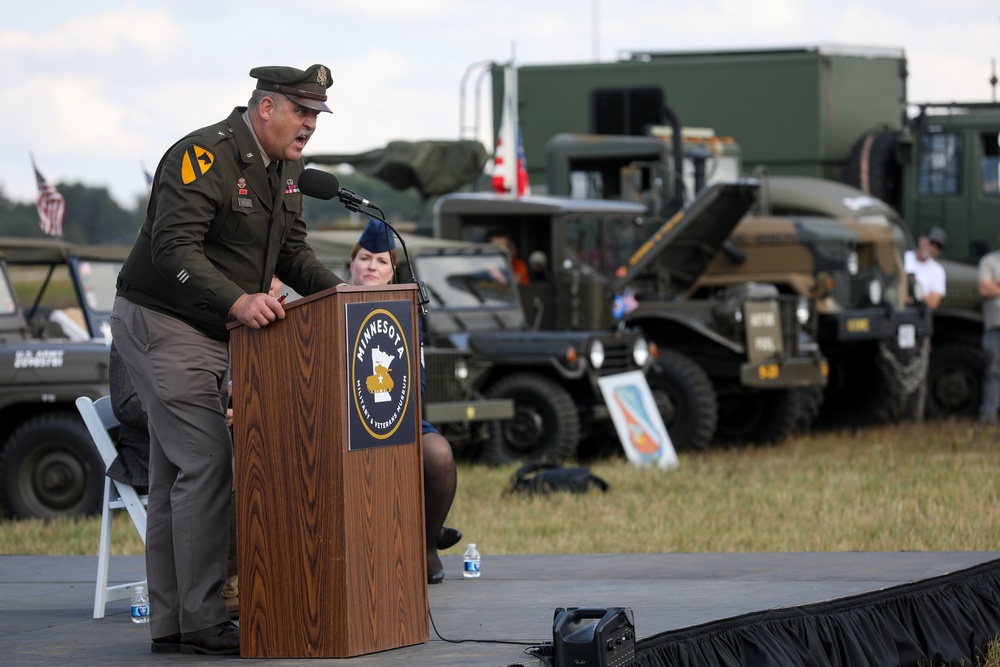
[{"x": 920, "y": 487}]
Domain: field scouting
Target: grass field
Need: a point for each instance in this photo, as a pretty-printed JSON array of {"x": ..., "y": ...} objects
[{"x": 923, "y": 487}]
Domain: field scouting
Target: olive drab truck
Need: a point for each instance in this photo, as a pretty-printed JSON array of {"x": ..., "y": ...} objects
[
  {"x": 808, "y": 237},
  {"x": 730, "y": 365},
  {"x": 54, "y": 344},
  {"x": 795, "y": 112}
]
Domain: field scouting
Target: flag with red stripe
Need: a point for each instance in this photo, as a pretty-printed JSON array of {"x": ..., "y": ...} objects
[
  {"x": 510, "y": 169},
  {"x": 51, "y": 205}
]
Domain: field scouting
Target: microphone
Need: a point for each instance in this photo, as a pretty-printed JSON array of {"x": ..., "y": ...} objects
[{"x": 324, "y": 185}]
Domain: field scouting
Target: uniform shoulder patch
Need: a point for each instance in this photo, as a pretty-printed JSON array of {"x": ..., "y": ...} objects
[{"x": 196, "y": 163}]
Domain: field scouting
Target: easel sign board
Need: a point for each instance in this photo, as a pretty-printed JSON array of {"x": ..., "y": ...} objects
[{"x": 637, "y": 420}]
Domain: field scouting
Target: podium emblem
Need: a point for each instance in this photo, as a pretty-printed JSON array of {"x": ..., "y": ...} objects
[{"x": 381, "y": 374}]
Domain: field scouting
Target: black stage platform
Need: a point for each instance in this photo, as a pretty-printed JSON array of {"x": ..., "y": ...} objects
[{"x": 689, "y": 609}]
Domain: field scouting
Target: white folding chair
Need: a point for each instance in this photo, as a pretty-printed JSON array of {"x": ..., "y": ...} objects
[{"x": 99, "y": 418}]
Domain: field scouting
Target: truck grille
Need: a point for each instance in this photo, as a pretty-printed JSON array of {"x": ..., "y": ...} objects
[
  {"x": 790, "y": 327},
  {"x": 439, "y": 374},
  {"x": 616, "y": 358}
]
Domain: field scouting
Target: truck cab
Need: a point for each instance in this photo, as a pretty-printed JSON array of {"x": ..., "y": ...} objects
[{"x": 729, "y": 363}]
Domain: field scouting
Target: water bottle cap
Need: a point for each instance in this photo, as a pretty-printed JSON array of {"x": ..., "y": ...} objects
[
  {"x": 472, "y": 545},
  {"x": 138, "y": 589}
]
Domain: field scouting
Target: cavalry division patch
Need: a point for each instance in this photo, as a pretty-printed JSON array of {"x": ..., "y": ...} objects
[
  {"x": 381, "y": 374},
  {"x": 196, "y": 163}
]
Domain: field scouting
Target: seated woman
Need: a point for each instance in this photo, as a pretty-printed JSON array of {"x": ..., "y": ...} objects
[{"x": 373, "y": 259}]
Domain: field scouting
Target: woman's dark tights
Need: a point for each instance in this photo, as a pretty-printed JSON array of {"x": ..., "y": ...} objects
[{"x": 440, "y": 482}]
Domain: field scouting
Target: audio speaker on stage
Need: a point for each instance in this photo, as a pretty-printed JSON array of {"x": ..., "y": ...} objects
[{"x": 593, "y": 637}]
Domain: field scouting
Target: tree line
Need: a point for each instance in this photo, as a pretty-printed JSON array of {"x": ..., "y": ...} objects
[{"x": 94, "y": 216}]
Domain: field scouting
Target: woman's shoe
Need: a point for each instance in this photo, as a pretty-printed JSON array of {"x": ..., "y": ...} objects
[
  {"x": 449, "y": 537},
  {"x": 435, "y": 577}
]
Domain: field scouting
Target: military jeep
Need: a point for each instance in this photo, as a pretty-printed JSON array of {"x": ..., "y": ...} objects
[
  {"x": 498, "y": 389},
  {"x": 53, "y": 348}
]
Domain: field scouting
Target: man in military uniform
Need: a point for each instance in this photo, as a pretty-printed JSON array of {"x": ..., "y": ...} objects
[{"x": 224, "y": 216}]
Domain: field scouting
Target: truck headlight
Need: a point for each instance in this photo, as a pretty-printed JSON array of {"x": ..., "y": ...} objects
[
  {"x": 802, "y": 310},
  {"x": 729, "y": 313},
  {"x": 875, "y": 291},
  {"x": 461, "y": 370},
  {"x": 640, "y": 352},
  {"x": 596, "y": 354},
  {"x": 852, "y": 263}
]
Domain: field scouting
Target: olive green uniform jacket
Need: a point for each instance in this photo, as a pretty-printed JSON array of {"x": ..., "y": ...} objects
[{"x": 214, "y": 231}]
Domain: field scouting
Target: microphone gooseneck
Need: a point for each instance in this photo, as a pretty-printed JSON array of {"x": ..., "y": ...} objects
[{"x": 324, "y": 185}]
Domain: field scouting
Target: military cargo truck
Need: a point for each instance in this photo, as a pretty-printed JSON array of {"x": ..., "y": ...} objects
[
  {"x": 730, "y": 363},
  {"x": 795, "y": 110},
  {"x": 498, "y": 388},
  {"x": 53, "y": 349},
  {"x": 810, "y": 237},
  {"x": 942, "y": 168}
]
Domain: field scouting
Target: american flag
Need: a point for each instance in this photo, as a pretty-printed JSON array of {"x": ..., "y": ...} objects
[
  {"x": 623, "y": 304},
  {"x": 510, "y": 169},
  {"x": 51, "y": 206},
  {"x": 149, "y": 179}
]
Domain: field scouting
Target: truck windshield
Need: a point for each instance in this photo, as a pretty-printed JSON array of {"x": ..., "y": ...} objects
[
  {"x": 603, "y": 242},
  {"x": 457, "y": 281}
]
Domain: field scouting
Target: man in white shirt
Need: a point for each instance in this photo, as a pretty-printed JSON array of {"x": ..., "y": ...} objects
[{"x": 927, "y": 271}]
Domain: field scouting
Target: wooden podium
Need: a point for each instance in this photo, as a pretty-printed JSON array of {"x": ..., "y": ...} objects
[{"x": 329, "y": 509}]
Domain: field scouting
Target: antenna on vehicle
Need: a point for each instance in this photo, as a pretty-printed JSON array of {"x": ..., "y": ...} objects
[{"x": 993, "y": 78}]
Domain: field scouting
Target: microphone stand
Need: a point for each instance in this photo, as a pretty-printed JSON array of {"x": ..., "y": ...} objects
[{"x": 423, "y": 298}]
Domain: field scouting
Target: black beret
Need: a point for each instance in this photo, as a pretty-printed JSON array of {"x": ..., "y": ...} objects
[{"x": 307, "y": 88}]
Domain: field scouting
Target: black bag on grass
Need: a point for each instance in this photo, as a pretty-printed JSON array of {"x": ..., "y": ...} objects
[{"x": 545, "y": 478}]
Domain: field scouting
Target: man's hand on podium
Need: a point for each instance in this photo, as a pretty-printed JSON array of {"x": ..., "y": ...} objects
[{"x": 257, "y": 310}]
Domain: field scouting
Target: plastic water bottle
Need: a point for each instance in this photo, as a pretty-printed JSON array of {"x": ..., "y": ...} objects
[
  {"x": 471, "y": 562},
  {"x": 140, "y": 606}
]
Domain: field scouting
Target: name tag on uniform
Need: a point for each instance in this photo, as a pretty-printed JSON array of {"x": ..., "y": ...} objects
[{"x": 244, "y": 202}]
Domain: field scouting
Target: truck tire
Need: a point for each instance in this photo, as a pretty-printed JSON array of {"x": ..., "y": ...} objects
[
  {"x": 954, "y": 381},
  {"x": 810, "y": 404},
  {"x": 51, "y": 468},
  {"x": 862, "y": 390},
  {"x": 679, "y": 382},
  {"x": 761, "y": 417},
  {"x": 545, "y": 426},
  {"x": 872, "y": 166}
]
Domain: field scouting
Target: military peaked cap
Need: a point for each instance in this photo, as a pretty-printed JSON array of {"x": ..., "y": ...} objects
[{"x": 307, "y": 88}]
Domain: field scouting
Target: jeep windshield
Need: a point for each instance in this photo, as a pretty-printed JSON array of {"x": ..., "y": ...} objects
[
  {"x": 470, "y": 291},
  {"x": 97, "y": 279}
]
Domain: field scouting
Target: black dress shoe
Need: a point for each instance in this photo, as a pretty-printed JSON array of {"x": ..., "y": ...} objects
[
  {"x": 221, "y": 639},
  {"x": 166, "y": 644},
  {"x": 435, "y": 577},
  {"x": 449, "y": 537}
]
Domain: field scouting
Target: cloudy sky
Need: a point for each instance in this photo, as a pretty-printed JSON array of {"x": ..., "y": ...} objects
[{"x": 97, "y": 89}]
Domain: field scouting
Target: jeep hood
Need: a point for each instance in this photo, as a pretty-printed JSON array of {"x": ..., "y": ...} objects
[{"x": 684, "y": 245}]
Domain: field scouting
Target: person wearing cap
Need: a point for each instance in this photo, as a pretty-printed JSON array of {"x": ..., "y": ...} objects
[
  {"x": 989, "y": 292},
  {"x": 224, "y": 216},
  {"x": 373, "y": 262},
  {"x": 922, "y": 263}
]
